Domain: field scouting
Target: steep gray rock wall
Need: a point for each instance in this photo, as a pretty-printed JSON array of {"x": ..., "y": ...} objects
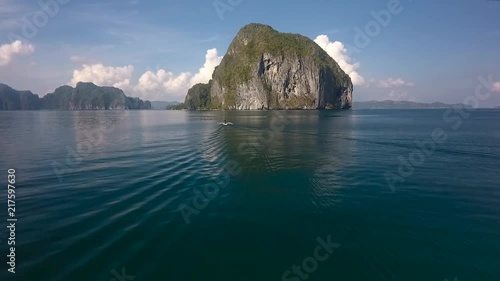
[{"x": 265, "y": 69}]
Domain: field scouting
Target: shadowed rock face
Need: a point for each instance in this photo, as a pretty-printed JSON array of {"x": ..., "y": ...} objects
[
  {"x": 11, "y": 99},
  {"x": 85, "y": 96},
  {"x": 198, "y": 97},
  {"x": 88, "y": 96},
  {"x": 266, "y": 69}
]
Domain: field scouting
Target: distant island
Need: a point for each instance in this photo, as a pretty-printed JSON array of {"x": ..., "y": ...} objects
[
  {"x": 179, "y": 106},
  {"x": 267, "y": 69},
  {"x": 85, "y": 96},
  {"x": 389, "y": 104},
  {"x": 162, "y": 105}
]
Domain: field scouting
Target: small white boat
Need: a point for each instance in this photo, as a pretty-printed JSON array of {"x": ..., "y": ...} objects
[{"x": 225, "y": 123}]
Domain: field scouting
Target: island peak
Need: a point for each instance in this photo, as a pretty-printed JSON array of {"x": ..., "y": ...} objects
[{"x": 267, "y": 69}]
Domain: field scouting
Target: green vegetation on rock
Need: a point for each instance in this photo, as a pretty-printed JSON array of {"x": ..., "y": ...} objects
[
  {"x": 300, "y": 102},
  {"x": 180, "y": 106},
  {"x": 254, "y": 40},
  {"x": 198, "y": 97},
  {"x": 264, "y": 68}
]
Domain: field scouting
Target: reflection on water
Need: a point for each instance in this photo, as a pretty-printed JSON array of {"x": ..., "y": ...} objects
[{"x": 304, "y": 174}]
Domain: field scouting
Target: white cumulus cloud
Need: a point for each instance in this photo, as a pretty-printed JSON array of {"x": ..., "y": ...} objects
[
  {"x": 212, "y": 60},
  {"x": 339, "y": 53},
  {"x": 164, "y": 85},
  {"x": 158, "y": 85},
  {"x": 394, "y": 82},
  {"x": 16, "y": 48},
  {"x": 104, "y": 75}
]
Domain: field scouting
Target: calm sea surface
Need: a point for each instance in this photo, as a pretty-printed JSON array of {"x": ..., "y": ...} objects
[{"x": 299, "y": 195}]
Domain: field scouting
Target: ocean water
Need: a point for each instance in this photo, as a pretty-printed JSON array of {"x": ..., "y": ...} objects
[{"x": 282, "y": 195}]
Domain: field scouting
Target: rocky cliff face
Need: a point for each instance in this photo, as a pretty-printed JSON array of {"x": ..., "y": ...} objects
[
  {"x": 11, "y": 99},
  {"x": 266, "y": 69},
  {"x": 198, "y": 97},
  {"x": 85, "y": 96}
]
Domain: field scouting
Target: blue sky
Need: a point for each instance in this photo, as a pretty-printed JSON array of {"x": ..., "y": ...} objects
[{"x": 428, "y": 51}]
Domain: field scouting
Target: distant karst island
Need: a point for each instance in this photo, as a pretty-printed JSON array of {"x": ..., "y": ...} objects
[
  {"x": 390, "y": 104},
  {"x": 267, "y": 69},
  {"x": 263, "y": 69},
  {"x": 85, "y": 96}
]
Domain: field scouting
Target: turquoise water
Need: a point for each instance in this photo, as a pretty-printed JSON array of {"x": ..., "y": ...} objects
[{"x": 100, "y": 194}]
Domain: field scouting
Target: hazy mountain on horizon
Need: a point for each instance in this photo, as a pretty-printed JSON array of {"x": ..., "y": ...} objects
[
  {"x": 390, "y": 104},
  {"x": 84, "y": 96},
  {"x": 26, "y": 100},
  {"x": 162, "y": 105}
]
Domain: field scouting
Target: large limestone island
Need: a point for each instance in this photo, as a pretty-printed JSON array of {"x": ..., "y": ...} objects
[
  {"x": 85, "y": 96},
  {"x": 266, "y": 69}
]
